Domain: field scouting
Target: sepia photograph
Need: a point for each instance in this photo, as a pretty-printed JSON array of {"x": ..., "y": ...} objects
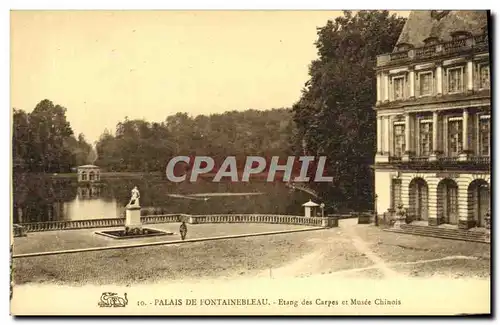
[{"x": 250, "y": 162}]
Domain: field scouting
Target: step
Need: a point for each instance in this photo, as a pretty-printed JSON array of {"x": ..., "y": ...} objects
[
  {"x": 479, "y": 240},
  {"x": 447, "y": 232},
  {"x": 440, "y": 228},
  {"x": 447, "y": 235},
  {"x": 443, "y": 230},
  {"x": 482, "y": 238}
]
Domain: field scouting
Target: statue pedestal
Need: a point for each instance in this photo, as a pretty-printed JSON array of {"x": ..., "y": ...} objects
[
  {"x": 133, "y": 218},
  {"x": 399, "y": 222}
]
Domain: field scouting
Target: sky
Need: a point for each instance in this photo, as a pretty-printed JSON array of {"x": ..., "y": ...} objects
[{"x": 106, "y": 65}]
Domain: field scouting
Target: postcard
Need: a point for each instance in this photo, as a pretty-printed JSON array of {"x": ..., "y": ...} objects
[{"x": 250, "y": 162}]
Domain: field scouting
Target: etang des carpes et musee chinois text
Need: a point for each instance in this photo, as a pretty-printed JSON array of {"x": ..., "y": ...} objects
[{"x": 278, "y": 302}]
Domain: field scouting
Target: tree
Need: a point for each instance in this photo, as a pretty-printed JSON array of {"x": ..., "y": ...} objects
[
  {"x": 20, "y": 140},
  {"x": 334, "y": 115},
  {"x": 43, "y": 140},
  {"x": 147, "y": 146}
]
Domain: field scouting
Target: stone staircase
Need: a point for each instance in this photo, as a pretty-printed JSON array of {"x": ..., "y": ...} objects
[{"x": 443, "y": 232}]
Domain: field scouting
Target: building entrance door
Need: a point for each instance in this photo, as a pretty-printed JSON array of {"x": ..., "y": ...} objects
[{"x": 448, "y": 201}]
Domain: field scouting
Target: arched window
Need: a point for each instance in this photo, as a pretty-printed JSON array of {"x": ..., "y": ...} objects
[
  {"x": 460, "y": 35},
  {"x": 478, "y": 195},
  {"x": 429, "y": 41},
  {"x": 401, "y": 47}
]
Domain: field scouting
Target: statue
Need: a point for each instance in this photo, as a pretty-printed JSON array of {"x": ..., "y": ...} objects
[
  {"x": 400, "y": 217},
  {"x": 134, "y": 200}
]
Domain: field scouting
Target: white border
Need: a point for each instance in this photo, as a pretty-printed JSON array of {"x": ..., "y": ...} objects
[{"x": 186, "y": 4}]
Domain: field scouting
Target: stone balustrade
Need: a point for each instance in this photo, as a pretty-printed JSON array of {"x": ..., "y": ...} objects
[
  {"x": 330, "y": 221},
  {"x": 256, "y": 218},
  {"x": 477, "y": 43}
]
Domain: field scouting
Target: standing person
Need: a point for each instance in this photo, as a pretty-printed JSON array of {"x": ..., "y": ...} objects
[{"x": 183, "y": 230}]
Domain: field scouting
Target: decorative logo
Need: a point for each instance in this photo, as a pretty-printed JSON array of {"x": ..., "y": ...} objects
[
  {"x": 439, "y": 14},
  {"x": 111, "y": 299}
]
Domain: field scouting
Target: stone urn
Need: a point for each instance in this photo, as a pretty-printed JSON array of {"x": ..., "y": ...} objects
[
  {"x": 487, "y": 220},
  {"x": 400, "y": 218}
]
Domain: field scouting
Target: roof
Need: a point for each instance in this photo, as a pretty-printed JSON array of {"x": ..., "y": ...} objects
[
  {"x": 88, "y": 166},
  {"x": 422, "y": 24},
  {"x": 310, "y": 204}
]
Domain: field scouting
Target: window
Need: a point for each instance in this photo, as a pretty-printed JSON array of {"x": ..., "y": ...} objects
[
  {"x": 396, "y": 193},
  {"x": 398, "y": 84},
  {"x": 484, "y": 75},
  {"x": 425, "y": 83},
  {"x": 425, "y": 136},
  {"x": 459, "y": 35},
  {"x": 401, "y": 47},
  {"x": 454, "y": 136},
  {"x": 399, "y": 139},
  {"x": 455, "y": 82},
  {"x": 484, "y": 135},
  {"x": 431, "y": 41}
]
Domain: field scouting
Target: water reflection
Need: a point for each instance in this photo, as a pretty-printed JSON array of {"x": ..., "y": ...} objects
[
  {"x": 89, "y": 192},
  {"x": 44, "y": 199},
  {"x": 88, "y": 204}
]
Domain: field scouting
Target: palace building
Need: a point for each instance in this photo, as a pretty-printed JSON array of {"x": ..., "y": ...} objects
[{"x": 433, "y": 120}]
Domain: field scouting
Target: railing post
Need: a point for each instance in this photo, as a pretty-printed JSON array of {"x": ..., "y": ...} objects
[{"x": 192, "y": 220}]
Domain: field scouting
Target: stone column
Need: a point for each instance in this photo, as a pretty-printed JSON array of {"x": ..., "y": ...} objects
[
  {"x": 381, "y": 156},
  {"x": 433, "y": 218},
  {"x": 386, "y": 87},
  {"x": 435, "y": 136},
  {"x": 379, "y": 135},
  {"x": 407, "y": 154},
  {"x": 470, "y": 78},
  {"x": 439, "y": 79},
  {"x": 464, "y": 220},
  {"x": 405, "y": 191},
  {"x": 465, "y": 135},
  {"x": 387, "y": 130},
  {"x": 379, "y": 85},
  {"x": 412, "y": 83}
]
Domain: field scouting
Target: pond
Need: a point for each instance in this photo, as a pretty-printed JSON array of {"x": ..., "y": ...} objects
[{"x": 40, "y": 198}]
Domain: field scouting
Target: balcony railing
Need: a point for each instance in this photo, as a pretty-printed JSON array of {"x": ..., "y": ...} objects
[
  {"x": 424, "y": 160},
  {"x": 481, "y": 42},
  {"x": 394, "y": 159},
  {"x": 481, "y": 159},
  {"x": 399, "y": 56},
  {"x": 457, "y": 45},
  {"x": 426, "y": 52},
  {"x": 477, "y": 42},
  {"x": 419, "y": 159},
  {"x": 447, "y": 159}
]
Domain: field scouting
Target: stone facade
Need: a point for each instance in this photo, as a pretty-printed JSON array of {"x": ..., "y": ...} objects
[{"x": 433, "y": 120}]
